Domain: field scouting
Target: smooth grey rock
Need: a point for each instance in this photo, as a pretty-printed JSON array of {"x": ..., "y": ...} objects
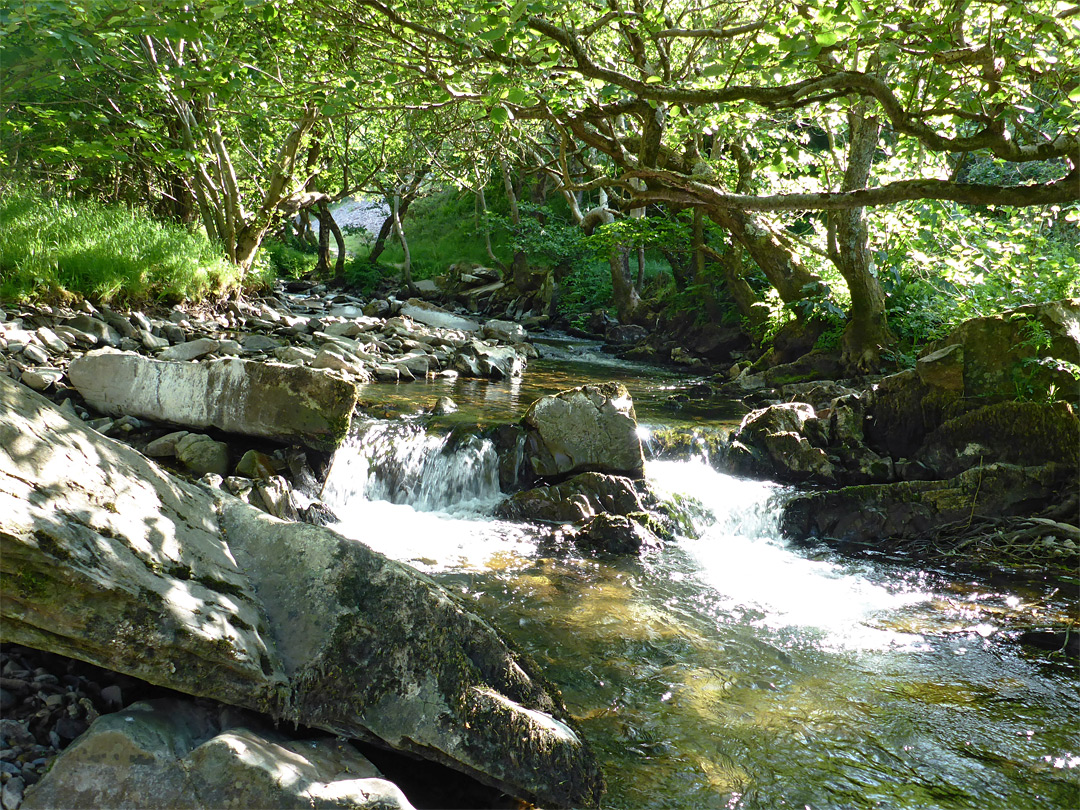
[
  {"x": 35, "y": 354},
  {"x": 192, "y": 350},
  {"x": 423, "y": 312},
  {"x": 165, "y": 446},
  {"x": 587, "y": 429},
  {"x": 294, "y": 354},
  {"x": 12, "y": 795},
  {"x": 172, "y": 754},
  {"x": 96, "y": 327},
  {"x": 115, "y": 562},
  {"x": 343, "y": 329},
  {"x": 506, "y": 331},
  {"x": 203, "y": 455},
  {"x": 119, "y": 323},
  {"x": 259, "y": 343},
  {"x": 173, "y": 333},
  {"x": 41, "y": 378},
  {"x": 229, "y": 348},
  {"x": 152, "y": 342},
  {"x": 51, "y": 340},
  {"x": 477, "y": 359},
  {"x": 286, "y": 403},
  {"x": 276, "y": 497}
]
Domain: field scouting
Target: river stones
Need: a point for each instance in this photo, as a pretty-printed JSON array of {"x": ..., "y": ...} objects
[
  {"x": 172, "y": 754},
  {"x": 107, "y": 558},
  {"x": 588, "y": 429},
  {"x": 285, "y": 403},
  {"x": 431, "y": 315}
]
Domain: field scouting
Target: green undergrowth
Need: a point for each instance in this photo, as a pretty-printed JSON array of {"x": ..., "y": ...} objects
[
  {"x": 441, "y": 230},
  {"x": 53, "y": 249}
]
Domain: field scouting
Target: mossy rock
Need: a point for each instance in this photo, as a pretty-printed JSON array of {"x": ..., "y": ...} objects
[{"x": 1023, "y": 433}]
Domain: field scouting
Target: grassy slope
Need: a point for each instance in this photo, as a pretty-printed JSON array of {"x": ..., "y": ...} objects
[{"x": 52, "y": 249}]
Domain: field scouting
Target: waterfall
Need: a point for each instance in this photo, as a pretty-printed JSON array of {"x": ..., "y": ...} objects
[{"x": 402, "y": 463}]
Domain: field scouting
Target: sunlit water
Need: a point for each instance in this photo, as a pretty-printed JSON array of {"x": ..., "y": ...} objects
[{"x": 731, "y": 670}]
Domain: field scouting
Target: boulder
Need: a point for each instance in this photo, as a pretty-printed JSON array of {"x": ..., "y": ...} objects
[
  {"x": 202, "y": 455},
  {"x": 872, "y": 514},
  {"x": 192, "y": 350},
  {"x": 431, "y": 315},
  {"x": 286, "y": 403},
  {"x": 626, "y": 334},
  {"x": 588, "y": 429},
  {"x": 477, "y": 359},
  {"x": 107, "y": 558},
  {"x": 1000, "y": 355},
  {"x": 173, "y": 755},
  {"x": 577, "y": 499},
  {"x": 615, "y": 534},
  {"x": 782, "y": 441},
  {"x": 505, "y": 331}
]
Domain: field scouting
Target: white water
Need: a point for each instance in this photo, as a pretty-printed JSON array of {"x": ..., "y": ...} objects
[
  {"x": 730, "y": 670},
  {"x": 426, "y": 500}
]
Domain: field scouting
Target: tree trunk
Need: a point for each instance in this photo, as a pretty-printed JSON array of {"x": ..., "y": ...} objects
[
  {"x": 339, "y": 265},
  {"x": 511, "y": 197},
  {"x": 482, "y": 223},
  {"x": 867, "y": 331},
  {"x": 384, "y": 233},
  {"x": 624, "y": 293},
  {"x": 399, "y": 232},
  {"x": 322, "y": 267},
  {"x": 781, "y": 267}
]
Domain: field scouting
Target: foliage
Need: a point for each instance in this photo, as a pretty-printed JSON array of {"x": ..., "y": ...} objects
[
  {"x": 942, "y": 264},
  {"x": 109, "y": 254},
  {"x": 291, "y": 259}
]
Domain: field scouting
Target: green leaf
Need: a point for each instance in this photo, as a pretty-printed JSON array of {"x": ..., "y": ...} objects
[
  {"x": 499, "y": 114},
  {"x": 714, "y": 69},
  {"x": 826, "y": 38}
]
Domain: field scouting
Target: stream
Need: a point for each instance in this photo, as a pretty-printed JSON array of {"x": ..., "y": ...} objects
[{"x": 728, "y": 671}]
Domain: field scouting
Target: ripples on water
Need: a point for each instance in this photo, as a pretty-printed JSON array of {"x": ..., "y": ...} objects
[{"x": 731, "y": 670}]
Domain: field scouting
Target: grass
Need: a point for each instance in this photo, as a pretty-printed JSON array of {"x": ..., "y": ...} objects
[
  {"x": 441, "y": 230},
  {"x": 54, "y": 249}
]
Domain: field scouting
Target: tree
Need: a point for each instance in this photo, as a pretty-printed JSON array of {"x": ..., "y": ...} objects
[
  {"x": 672, "y": 94},
  {"x": 211, "y": 104}
]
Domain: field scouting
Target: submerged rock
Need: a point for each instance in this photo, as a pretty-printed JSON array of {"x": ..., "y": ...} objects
[
  {"x": 285, "y": 403},
  {"x": 107, "y": 558},
  {"x": 172, "y": 754},
  {"x": 588, "y": 429},
  {"x": 577, "y": 499}
]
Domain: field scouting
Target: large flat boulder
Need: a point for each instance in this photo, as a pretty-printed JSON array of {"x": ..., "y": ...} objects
[
  {"x": 588, "y": 429},
  {"x": 431, "y": 315},
  {"x": 285, "y": 403},
  {"x": 174, "y": 755},
  {"x": 107, "y": 558}
]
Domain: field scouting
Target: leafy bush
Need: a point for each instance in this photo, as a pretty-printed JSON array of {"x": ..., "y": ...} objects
[
  {"x": 288, "y": 260},
  {"x": 109, "y": 254}
]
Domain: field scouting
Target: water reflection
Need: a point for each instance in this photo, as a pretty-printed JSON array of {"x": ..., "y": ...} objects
[{"x": 732, "y": 671}]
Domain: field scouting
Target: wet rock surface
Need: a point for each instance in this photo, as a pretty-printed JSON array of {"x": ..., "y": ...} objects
[
  {"x": 587, "y": 429},
  {"x": 173, "y": 753},
  {"x": 191, "y": 588}
]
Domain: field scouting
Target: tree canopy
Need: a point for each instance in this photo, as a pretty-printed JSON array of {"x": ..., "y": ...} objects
[{"x": 786, "y": 125}]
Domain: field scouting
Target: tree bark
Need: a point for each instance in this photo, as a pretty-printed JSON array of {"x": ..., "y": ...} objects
[
  {"x": 399, "y": 232},
  {"x": 849, "y": 249}
]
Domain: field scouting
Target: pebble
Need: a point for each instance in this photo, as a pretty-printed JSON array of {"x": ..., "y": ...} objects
[
  {"x": 12, "y": 794},
  {"x": 41, "y": 378},
  {"x": 35, "y": 354}
]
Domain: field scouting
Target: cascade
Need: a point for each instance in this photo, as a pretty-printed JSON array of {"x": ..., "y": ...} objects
[{"x": 401, "y": 462}]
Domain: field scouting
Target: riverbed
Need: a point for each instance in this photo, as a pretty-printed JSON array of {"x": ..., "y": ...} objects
[{"x": 729, "y": 670}]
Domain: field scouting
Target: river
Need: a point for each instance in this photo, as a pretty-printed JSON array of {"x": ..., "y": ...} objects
[{"x": 731, "y": 670}]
